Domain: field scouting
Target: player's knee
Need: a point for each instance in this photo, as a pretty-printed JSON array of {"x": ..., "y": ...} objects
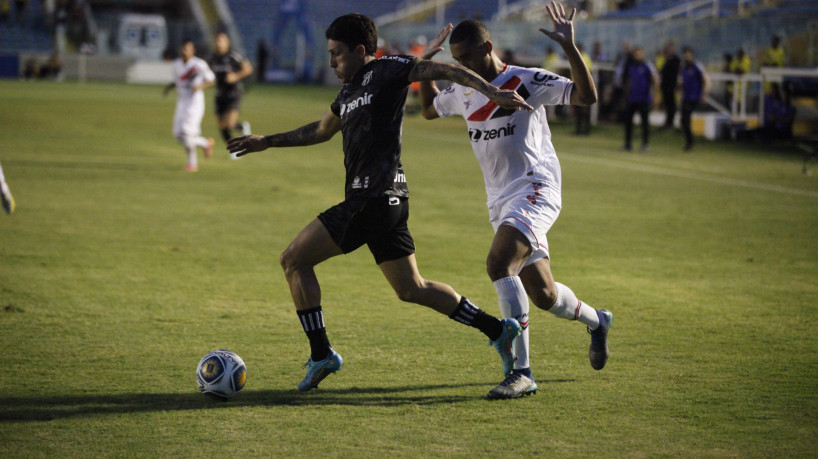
[
  {"x": 290, "y": 260},
  {"x": 409, "y": 292},
  {"x": 545, "y": 297},
  {"x": 497, "y": 269}
]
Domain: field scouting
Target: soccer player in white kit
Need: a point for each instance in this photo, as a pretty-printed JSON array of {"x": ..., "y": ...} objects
[
  {"x": 191, "y": 76},
  {"x": 523, "y": 180}
]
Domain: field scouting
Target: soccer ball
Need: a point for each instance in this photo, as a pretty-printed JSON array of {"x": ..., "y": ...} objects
[{"x": 221, "y": 373}]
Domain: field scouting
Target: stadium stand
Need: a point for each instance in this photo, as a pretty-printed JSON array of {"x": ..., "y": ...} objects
[{"x": 29, "y": 34}]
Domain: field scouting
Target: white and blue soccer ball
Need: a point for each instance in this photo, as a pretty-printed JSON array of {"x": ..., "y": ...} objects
[{"x": 221, "y": 373}]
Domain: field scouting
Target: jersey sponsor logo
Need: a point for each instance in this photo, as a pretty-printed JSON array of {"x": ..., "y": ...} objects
[
  {"x": 366, "y": 99},
  {"x": 477, "y": 135},
  {"x": 400, "y": 177},
  {"x": 542, "y": 79},
  {"x": 492, "y": 110},
  {"x": 367, "y": 78},
  {"x": 402, "y": 60}
]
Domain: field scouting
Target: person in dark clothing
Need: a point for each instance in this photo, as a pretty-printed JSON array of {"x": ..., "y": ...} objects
[
  {"x": 695, "y": 86},
  {"x": 368, "y": 112},
  {"x": 669, "y": 75},
  {"x": 641, "y": 80}
]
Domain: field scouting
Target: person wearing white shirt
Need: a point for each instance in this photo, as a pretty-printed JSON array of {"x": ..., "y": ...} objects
[
  {"x": 522, "y": 177},
  {"x": 191, "y": 76}
]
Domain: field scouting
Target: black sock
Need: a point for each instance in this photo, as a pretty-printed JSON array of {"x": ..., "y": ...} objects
[
  {"x": 226, "y": 135},
  {"x": 312, "y": 320},
  {"x": 469, "y": 314}
]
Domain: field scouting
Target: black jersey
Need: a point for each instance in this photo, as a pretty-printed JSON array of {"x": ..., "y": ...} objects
[
  {"x": 221, "y": 64},
  {"x": 371, "y": 112}
]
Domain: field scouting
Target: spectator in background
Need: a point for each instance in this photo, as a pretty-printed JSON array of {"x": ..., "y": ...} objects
[
  {"x": 622, "y": 63},
  {"x": 641, "y": 79},
  {"x": 52, "y": 67},
  {"x": 695, "y": 86},
  {"x": 774, "y": 55},
  {"x": 551, "y": 60},
  {"x": 669, "y": 74},
  {"x": 740, "y": 65}
]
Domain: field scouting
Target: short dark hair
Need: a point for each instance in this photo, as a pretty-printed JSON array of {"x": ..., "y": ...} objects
[
  {"x": 472, "y": 31},
  {"x": 354, "y": 29}
]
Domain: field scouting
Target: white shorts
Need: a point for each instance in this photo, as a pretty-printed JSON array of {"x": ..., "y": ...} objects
[
  {"x": 532, "y": 208},
  {"x": 187, "y": 120}
]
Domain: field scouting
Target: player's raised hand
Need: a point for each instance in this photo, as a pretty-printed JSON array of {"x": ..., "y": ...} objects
[
  {"x": 563, "y": 32},
  {"x": 435, "y": 45},
  {"x": 509, "y": 99},
  {"x": 240, "y": 146}
]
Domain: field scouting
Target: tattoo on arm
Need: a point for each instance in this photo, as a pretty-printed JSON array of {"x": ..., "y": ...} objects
[
  {"x": 428, "y": 70},
  {"x": 305, "y": 135}
]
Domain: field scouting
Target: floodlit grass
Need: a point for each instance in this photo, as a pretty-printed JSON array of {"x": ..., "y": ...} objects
[{"x": 119, "y": 271}]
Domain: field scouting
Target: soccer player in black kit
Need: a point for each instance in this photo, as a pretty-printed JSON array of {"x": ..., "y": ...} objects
[
  {"x": 230, "y": 68},
  {"x": 369, "y": 113}
]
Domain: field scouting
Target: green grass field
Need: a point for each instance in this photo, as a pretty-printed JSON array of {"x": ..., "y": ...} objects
[{"x": 119, "y": 271}]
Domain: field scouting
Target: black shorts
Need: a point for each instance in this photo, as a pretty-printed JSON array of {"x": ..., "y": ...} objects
[
  {"x": 380, "y": 223},
  {"x": 227, "y": 102}
]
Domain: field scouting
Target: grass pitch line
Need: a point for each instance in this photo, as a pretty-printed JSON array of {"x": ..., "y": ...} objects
[{"x": 684, "y": 174}]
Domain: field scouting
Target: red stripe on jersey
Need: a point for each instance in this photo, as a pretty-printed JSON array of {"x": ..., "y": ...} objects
[
  {"x": 189, "y": 74},
  {"x": 486, "y": 110}
]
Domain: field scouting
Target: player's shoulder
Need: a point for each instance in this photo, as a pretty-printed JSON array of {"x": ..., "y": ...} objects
[
  {"x": 535, "y": 76},
  {"x": 235, "y": 55}
]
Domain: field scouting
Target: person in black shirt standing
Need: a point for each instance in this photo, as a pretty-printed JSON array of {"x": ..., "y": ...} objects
[
  {"x": 230, "y": 68},
  {"x": 369, "y": 113},
  {"x": 669, "y": 76}
]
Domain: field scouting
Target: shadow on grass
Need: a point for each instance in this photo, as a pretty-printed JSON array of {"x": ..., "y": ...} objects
[{"x": 33, "y": 409}]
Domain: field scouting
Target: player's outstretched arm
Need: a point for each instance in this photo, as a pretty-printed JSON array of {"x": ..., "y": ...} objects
[
  {"x": 428, "y": 70},
  {"x": 310, "y": 134},
  {"x": 428, "y": 88},
  {"x": 584, "y": 92}
]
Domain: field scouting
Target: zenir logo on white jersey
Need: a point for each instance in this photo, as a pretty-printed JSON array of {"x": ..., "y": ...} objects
[{"x": 477, "y": 135}]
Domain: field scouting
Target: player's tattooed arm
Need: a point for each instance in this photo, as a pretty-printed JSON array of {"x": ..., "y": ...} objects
[
  {"x": 305, "y": 135},
  {"x": 310, "y": 134},
  {"x": 428, "y": 70}
]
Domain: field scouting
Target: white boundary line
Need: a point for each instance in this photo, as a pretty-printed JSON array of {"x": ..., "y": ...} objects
[
  {"x": 683, "y": 174},
  {"x": 458, "y": 139}
]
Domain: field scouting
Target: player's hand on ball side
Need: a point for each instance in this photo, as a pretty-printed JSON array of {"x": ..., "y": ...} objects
[
  {"x": 509, "y": 99},
  {"x": 240, "y": 146}
]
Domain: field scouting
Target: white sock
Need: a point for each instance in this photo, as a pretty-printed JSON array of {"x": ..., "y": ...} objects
[
  {"x": 3, "y": 180},
  {"x": 514, "y": 304},
  {"x": 190, "y": 143},
  {"x": 569, "y": 307}
]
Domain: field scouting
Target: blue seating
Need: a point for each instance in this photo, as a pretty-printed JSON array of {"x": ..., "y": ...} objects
[{"x": 29, "y": 34}]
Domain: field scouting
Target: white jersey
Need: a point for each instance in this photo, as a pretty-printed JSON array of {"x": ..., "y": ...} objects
[
  {"x": 512, "y": 147},
  {"x": 190, "y": 103}
]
